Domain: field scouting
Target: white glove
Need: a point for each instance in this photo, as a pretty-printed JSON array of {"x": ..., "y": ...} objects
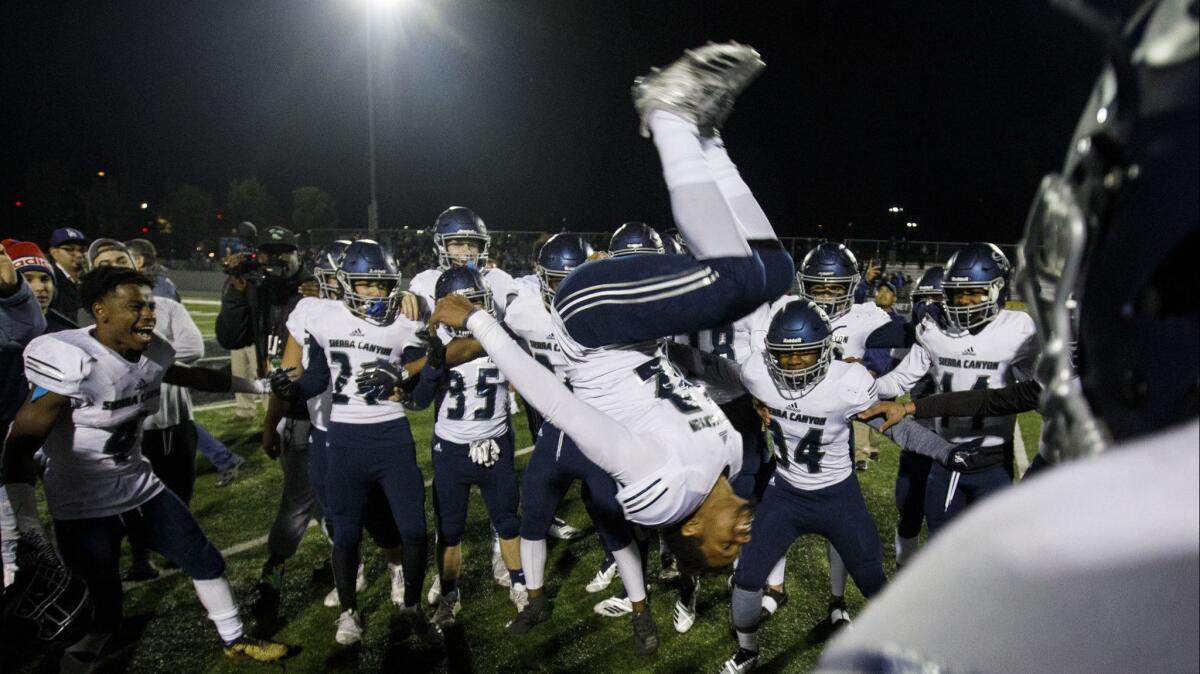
[
  {"x": 256, "y": 386},
  {"x": 485, "y": 452}
]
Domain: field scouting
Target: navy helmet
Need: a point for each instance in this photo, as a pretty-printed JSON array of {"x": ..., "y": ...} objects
[
  {"x": 635, "y": 237},
  {"x": 468, "y": 282},
  {"x": 366, "y": 260},
  {"x": 800, "y": 326},
  {"x": 558, "y": 257},
  {"x": 326, "y": 266},
  {"x": 1117, "y": 229},
  {"x": 829, "y": 263},
  {"x": 47, "y": 605},
  {"x": 459, "y": 223},
  {"x": 975, "y": 267},
  {"x": 929, "y": 286}
]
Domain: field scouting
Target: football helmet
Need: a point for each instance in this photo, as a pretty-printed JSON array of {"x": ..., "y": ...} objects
[
  {"x": 47, "y": 604},
  {"x": 366, "y": 260},
  {"x": 927, "y": 294},
  {"x": 632, "y": 238},
  {"x": 468, "y": 282},
  {"x": 1117, "y": 229},
  {"x": 800, "y": 326},
  {"x": 975, "y": 266},
  {"x": 559, "y": 256},
  {"x": 459, "y": 223},
  {"x": 673, "y": 242},
  {"x": 326, "y": 267},
  {"x": 829, "y": 263}
]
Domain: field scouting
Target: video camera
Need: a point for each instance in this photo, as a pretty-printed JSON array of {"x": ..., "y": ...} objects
[{"x": 248, "y": 265}]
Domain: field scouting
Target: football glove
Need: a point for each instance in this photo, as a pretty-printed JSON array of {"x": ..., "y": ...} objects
[
  {"x": 970, "y": 457},
  {"x": 282, "y": 384},
  {"x": 485, "y": 452},
  {"x": 380, "y": 378},
  {"x": 435, "y": 350}
]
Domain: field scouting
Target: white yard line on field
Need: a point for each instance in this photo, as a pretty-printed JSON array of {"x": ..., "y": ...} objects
[
  {"x": 1019, "y": 450},
  {"x": 215, "y": 303},
  {"x": 238, "y": 548}
]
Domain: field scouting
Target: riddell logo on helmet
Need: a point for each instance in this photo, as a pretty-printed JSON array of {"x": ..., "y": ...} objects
[
  {"x": 793, "y": 340},
  {"x": 959, "y": 278}
]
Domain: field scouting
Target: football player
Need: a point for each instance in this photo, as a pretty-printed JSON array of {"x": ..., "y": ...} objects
[
  {"x": 557, "y": 462},
  {"x": 368, "y": 439},
  {"x": 980, "y": 345},
  {"x": 460, "y": 239},
  {"x": 808, "y": 400},
  {"x": 663, "y": 440},
  {"x": 1091, "y": 567},
  {"x": 92, "y": 389},
  {"x": 472, "y": 445},
  {"x": 633, "y": 238}
]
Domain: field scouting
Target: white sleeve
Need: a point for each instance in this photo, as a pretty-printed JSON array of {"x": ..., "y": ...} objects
[
  {"x": 858, "y": 390},
  {"x": 905, "y": 375},
  {"x": 57, "y": 366},
  {"x": 603, "y": 441},
  {"x": 297, "y": 321},
  {"x": 183, "y": 335}
]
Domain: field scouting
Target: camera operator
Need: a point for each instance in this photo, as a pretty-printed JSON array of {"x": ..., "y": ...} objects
[{"x": 264, "y": 284}]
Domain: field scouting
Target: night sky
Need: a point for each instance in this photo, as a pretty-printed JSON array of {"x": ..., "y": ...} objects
[{"x": 521, "y": 110}]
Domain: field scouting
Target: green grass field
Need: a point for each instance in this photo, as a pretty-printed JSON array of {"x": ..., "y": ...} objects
[{"x": 165, "y": 628}]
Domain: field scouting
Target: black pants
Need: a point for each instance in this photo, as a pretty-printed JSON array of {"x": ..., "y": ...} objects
[{"x": 172, "y": 454}]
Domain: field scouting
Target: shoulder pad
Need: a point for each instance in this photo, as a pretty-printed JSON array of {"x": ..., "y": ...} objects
[{"x": 57, "y": 365}]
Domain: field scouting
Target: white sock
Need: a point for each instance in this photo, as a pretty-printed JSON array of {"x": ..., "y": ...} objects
[
  {"x": 777, "y": 572},
  {"x": 746, "y": 210},
  {"x": 217, "y": 597},
  {"x": 533, "y": 560},
  {"x": 748, "y": 640},
  {"x": 906, "y": 548},
  {"x": 837, "y": 572},
  {"x": 80, "y": 657},
  {"x": 769, "y": 604},
  {"x": 629, "y": 565},
  {"x": 704, "y": 219}
]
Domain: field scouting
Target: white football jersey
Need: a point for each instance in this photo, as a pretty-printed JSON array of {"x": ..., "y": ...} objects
[
  {"x": 476, "y": 403},
  {"x": 635, "y": 384},
  {"x": 528, "y": 317},
  {"x": 850, "y": 332},
  {"x": 811, "y": 435},
  {"x": 498, "y": 281},
  {"x": 95, "y": 466},
  {"x": 310, "y": 309},
  {"x": 731, "y": 342},
  {"x": 1002, "y": 353},
  {"x": 350, "y": 343}
]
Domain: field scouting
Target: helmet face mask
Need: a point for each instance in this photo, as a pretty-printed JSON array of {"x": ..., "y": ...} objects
[
  {"x": 459, "y": 224},
  {"x": 468, "y": 282},
  {"x": 366, "y": 260},
  {"x": 47, "y": 604},
  {"x": 326, "y": 268},
  {"x": 798, "y": 329},
  {"x": 829, "y": 264},
  {"x": 980, "y": 270},
  {"x": 968, "y": 316}
]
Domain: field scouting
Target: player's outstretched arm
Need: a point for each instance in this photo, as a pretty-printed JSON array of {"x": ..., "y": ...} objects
[
  {"x": 605, "y": 442},
  {"x": 906, "y": 374},
  {"x": 212, "y": 381}
]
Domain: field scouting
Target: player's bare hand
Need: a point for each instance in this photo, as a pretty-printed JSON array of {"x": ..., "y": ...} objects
[
  {"x": 271, "y": 444},
  {"x": 309, "y": 288},
  {"x": 892, "y": 412},
  {"x": 8, "y": 272},
  {"x": 598, "y": 255},
  {"x": 873, "y": 271},
  {"x": 452, "y": 311},
  {"x": 410, "y": 306}
]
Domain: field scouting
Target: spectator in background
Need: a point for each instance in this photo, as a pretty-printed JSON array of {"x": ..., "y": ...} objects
[
  {"x": 68, "y": 248},
  {"x": 879, "y": 360},
  {"x": 869, "y": 276},
  {"x": 145, "y": 257}
]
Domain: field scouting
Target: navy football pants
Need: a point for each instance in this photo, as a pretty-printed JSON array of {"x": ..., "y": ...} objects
[
  {"x": 838, "y": 513},
  {"x": 556, "y": 463},
  {"x": 377, "y": 515},
  {"x": 971, "y": 488},
  {"x": 92, "y": 548},
  {"x": 912, "y": 474},
  {"x": 453, "y": 474},
  {"x": 361, "y": 455}
]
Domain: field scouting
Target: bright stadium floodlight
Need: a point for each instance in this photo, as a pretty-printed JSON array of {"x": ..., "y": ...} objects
[{"x": 895, "y": 209}]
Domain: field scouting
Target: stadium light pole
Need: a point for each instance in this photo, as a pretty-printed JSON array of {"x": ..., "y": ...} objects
[{"x": 373, "y": 207}]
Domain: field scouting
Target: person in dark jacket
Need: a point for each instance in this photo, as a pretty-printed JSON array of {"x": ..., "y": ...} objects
[{"x": 68, "y": 249}]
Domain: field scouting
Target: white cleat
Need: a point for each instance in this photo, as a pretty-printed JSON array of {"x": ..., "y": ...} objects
[
  {"x": 699, "y": 86},
  {"x": 603, "y": 578},
  {"x": 741, "y": 662},
  {"x": 360, "y": 584},
  {"x": 435, "y": 592},
  {"x": 562, "y": 531},
  {"x": 446, "y": 614},
  {"x": 614, "y": 607},
  {"x": 685, "y": 615},
  {"x": 519, "y": 596},
  {"x": 396, "y": 572},
  {"x": 839, "y": 615},
  {"x": 349, "y": 628}
]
